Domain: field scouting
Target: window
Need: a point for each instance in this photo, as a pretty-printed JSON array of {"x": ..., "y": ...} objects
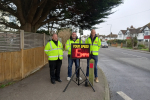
[
  {"x": 146, "y": 32},
  {"x": 120, "y": 35}
]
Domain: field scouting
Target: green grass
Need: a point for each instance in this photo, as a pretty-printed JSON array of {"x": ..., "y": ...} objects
[
  {"x": 137, "y": 49},
  {"x": 145, "y": 49},
  {"x": 7, "y": 84}
]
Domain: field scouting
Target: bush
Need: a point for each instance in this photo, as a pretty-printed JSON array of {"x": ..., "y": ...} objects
[
  {"x": 129, "y": 43},
  {"x": 141, "y": 46},
  {"x": 116, "y": 41}
]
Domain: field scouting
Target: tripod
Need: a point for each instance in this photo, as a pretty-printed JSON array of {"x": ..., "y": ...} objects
[{"x": 78, "y": 69}]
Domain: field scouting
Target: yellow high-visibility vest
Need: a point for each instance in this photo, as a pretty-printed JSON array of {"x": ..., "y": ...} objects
[
  {"x": 54, "y": 52},
  {"x": 94, "y": 48},
  {"x": 68, "y": 45}
]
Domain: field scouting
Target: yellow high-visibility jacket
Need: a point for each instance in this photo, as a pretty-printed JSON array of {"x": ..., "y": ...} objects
[
  {"x": 54, "y": 52},
  {"x": 68, "y": 45},
  {"x": 95, "y": 46}
]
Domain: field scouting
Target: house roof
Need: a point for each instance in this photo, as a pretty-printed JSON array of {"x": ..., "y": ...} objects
[
  {"x": 123, "y": 31},
  {"x": 147, "y": 25},
  {"x": 112, "y": 35}
]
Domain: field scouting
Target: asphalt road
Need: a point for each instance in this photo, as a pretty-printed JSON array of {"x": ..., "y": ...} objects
[{"x": 128, "y": 73}]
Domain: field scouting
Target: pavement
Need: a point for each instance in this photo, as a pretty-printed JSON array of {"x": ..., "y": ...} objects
[{"x": 38, "y": 86}]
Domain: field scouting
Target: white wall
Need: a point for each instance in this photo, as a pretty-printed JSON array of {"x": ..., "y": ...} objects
[
  {"x": 140, "y": 36},
  {"x": 120, "y": 37}
]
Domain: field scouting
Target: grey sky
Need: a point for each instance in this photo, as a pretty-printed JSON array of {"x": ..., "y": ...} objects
[{"x": 131, "y": 12}]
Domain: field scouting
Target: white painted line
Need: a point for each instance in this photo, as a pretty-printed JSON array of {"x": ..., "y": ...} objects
[{"x": 124, "y": 96}]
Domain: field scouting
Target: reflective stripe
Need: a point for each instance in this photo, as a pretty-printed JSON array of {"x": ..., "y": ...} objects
[
  {"x": 55, "y": 56},
  {"x": 52, "y": 56},
  {"x": 53, "y": 49},
  {"x": 94, "y": 51},
  {"x": 60, "y": 55},
  {"x": 50, "y": 45},
  {"x": 94, "y": 44},
  {"x": 69, "y": 41},
  {"x": 68, "y": 48}
]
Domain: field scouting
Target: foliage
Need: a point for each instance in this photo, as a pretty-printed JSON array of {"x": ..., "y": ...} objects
[
  {"x": 129, "y": 43},
  {"x": 116, "y": 41},
  {"x": 141, "y": 46},
  {"x": 30, "y": 15},
  {"x": 42, "y": 31},
  {"x": 4, "y": 85}
]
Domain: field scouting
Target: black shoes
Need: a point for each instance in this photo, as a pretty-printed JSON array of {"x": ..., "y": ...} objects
[
  {"x": 59, "y": 80},
  {"x": 86, "y": 83},
  {"x": 53, "y": 81}
]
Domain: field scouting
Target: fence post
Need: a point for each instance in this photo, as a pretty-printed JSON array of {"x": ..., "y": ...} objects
[
  {"x": 44, "y": 48},
  {"x": 149, "y": 45},
  {"x": 91, "y": 71},
  {"x": 121, "y": 45},
  {"x": 22, "y": 49}
]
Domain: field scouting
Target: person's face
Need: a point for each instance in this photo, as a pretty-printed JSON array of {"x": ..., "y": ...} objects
[
  {"x": 74, "y": 35},
  {"x": 93, "y": 32},
  {"x": 55, "y": 38}
]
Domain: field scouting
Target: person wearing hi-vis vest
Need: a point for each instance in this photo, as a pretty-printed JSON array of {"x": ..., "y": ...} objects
[
  {"x": 95, "y": 44},
  {"x": 73, "y": 39},
  {"x": 54, "y": 51}
]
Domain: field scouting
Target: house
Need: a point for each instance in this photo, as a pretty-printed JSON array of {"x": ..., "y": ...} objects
[
  {"x": 121, "y": 35},
  {"x": 146, "y": 32},
  {"x": 111, "y": 36},
  {"x": 102, "y": 37},
  {"x": 131, "y": 32}
]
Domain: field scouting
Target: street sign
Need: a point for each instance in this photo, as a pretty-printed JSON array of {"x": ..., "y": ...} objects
[{"x": 80, "y": 51}]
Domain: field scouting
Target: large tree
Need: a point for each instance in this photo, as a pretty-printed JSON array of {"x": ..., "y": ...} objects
[{"x": 32, "y": 14}]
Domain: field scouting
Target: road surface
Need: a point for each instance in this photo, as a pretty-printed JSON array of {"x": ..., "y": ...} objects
[{"x": 128, "y": 73}]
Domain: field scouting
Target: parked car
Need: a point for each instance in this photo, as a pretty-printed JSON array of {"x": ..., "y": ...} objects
[{"x": 104, "y": 45}]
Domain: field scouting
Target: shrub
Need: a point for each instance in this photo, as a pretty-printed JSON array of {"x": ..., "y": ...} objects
[
  {"x": 141, "y": 46},
  {"x": 129, "y": 43}
]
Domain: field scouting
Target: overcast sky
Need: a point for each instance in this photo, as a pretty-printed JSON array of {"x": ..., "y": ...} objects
[{"x": 131, "y": 12}]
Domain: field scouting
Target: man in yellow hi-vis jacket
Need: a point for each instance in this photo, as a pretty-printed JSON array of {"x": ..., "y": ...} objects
[
  {"x": 54, "y": 51},
  {"x": 73, "y": 39},
  {"x": 95, "y": 44}
]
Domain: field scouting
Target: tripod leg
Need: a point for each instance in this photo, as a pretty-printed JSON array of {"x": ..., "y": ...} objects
[
  {"x": 70, "y": 80},
  {"x": 88, "y": 80}
]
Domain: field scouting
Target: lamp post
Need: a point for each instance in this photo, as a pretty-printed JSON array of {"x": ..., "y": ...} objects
[{"x": 110, "y": 30}]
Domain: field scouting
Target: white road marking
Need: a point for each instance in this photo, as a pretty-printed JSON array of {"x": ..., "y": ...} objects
[
  {"x": 133, "y": 55},
  {"x": 124, "y": 96}
]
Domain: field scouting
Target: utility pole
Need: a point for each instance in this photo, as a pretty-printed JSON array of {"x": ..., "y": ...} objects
[
  {"x": 110, "y": 30},
  {"x": 149, "y": 43}
]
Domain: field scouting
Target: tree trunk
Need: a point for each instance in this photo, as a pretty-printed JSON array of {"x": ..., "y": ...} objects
[{"x": 29, "y": 28}]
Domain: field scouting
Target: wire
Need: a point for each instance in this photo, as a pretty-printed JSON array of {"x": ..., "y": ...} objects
[{"x": 129, "y": 15}]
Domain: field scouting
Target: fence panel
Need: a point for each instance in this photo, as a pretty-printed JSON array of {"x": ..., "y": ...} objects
[
  {"x": 9, "y": 41},
  {"x": 32, "y": 40}
]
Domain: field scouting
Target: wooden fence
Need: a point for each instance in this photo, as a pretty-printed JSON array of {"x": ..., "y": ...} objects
[
  {"x": 21, "y": 54},
  {"x": 19, "y": 64}
]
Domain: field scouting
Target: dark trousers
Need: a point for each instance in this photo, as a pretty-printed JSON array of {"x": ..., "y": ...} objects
[{"x": 55, "y": 67}]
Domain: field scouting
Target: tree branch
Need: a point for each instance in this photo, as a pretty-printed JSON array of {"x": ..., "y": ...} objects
[
  {"x": 39, "y": 12},
  {"x": 8, "y": 25},
  {"x": 10, "y": 10},
  {"x": 20, "y": 12}
]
